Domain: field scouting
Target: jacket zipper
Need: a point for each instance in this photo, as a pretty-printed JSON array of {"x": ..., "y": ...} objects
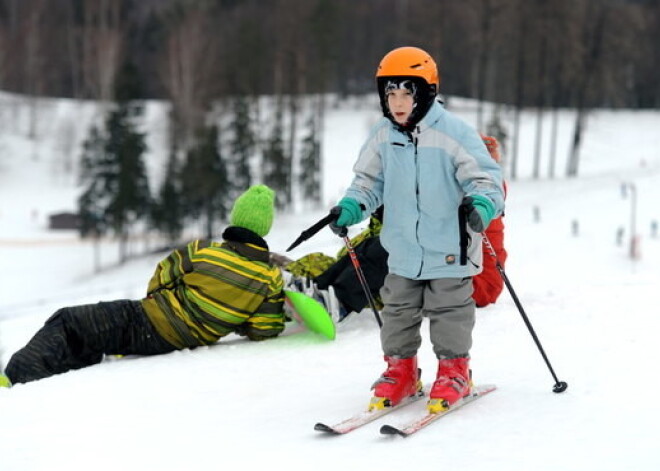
[{"x": 415, "y": 141}]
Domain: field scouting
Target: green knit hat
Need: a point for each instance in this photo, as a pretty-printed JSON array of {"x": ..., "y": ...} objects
[{"x": 254, "y": 210}]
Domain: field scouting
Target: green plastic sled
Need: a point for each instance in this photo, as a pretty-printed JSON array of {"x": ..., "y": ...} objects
[{"x": 311, "y": 314}]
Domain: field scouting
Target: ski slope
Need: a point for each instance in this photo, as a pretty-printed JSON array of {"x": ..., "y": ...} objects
[{"x": 243, "y": 405}]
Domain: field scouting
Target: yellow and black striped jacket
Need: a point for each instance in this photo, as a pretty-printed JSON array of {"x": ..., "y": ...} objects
[{"x": 206, "y": 290}]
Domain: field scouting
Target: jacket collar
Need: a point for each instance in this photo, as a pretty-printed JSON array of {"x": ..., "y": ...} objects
[
  {"x": 246, "y": 243},
  {"x": 431, "y": 117}
]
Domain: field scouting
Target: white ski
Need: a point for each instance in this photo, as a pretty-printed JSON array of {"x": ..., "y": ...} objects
[{"x": 420, "y": 423}]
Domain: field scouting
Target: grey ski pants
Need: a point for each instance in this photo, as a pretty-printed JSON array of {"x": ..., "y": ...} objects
[{"x": 448, "y": 304}]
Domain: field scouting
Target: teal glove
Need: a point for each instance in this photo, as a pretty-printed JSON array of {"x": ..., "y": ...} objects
[
  {"x": 349, "y": 211},
  {"x": 480, "y": 211}
]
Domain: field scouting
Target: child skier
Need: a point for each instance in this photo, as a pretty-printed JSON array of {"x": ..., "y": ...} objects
[
  {"x": 198, "y": 294},
  {"x": 423, "y": 163}
]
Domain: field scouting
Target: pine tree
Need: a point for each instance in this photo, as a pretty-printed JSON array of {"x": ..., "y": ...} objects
[
  {"x": 117, "y": 187},
  {"x": 310, "y": 163},
  {"x": 91, "y": 202},
  {"x": 242, "y": 143},
  {"x": 167, "y": 213},
  {"x": 129, "y": 185},
  {"x": 205, "y": 186},
  {"x": 276, "y": 163}
]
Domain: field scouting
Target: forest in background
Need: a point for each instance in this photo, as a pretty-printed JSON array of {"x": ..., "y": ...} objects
[
  {"x": 197, "y": 50},
  {"x": 548, "y": 54},
  {"x": 212, "y": 58}
]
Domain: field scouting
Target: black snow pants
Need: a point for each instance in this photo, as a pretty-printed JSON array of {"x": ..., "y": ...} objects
[
  {"x": 75, "y": 337},
  {"x": 341, "y": 275}
]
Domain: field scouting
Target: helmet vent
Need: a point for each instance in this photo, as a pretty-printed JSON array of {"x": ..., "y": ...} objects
[{"x": 415, "y": 66}]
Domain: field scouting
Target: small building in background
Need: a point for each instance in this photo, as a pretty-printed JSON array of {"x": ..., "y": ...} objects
[{"x": 63, "y": 220}]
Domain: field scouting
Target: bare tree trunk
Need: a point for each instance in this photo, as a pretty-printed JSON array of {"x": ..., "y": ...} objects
[
  {"x": 109, "y": 39},
  {"x": 553, "y": 142},
  {"x": 74, "y": 49},
  {"x": 482, "y": 63},
  {"x": 187, "y": 45},
  {"x": 259, "y": 136},
  {"x": 320, "y": 127},
  {"x": 96, "y": 243},
  {"x": 122, "y": 246},
  {"x": 591, "y": 61},
  {"x": 520, "y": 90},
  {"x": 299, "y": 92},
  {"x": 540, "y": 99},
  {"x": 34, "y": 56},
  {"x": 103, "y": 43},
  {"x": 574, "y": 153},
  {"x": 536, "y": 171}
]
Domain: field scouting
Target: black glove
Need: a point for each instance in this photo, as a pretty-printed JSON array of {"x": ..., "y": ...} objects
[
  {"x": 474, "y": 219},
  {"x": 341, "y": 231}
]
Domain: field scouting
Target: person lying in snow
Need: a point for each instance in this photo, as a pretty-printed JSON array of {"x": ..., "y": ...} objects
[
  {"x": 333, "y": 280},
  {"x": 198, "y": 294}
]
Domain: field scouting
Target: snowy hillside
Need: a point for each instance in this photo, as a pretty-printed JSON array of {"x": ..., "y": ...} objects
[{"x": 242, "y": 405}]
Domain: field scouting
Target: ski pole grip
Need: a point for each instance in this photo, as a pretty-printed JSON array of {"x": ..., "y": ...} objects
[
  {"x": 335, "y": 211},
  {"x": 341, "y": 231}
]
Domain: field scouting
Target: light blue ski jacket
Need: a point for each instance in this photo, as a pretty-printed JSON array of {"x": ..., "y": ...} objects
[{"x": 421, "y": 177}]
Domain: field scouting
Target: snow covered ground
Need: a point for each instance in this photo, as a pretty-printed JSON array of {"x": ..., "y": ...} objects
[{"x": 242, "y": 405}]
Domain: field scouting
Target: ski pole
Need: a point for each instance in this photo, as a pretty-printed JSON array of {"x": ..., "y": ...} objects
[
  {"x": 306, "y": 234},
  {"x": 360, "y": 275},
  {"x": 560, "y": 386}
]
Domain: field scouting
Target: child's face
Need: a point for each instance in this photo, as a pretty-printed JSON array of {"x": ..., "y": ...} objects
[{"x": 400, "y": 101}]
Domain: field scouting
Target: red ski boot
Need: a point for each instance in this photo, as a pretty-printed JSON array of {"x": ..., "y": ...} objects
[
  {"x": 452, "y": 383},
  {"x": 401, "y": 379}
]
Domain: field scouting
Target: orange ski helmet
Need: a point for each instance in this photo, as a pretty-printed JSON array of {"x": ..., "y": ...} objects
[{"x": 408, "y": 64}]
